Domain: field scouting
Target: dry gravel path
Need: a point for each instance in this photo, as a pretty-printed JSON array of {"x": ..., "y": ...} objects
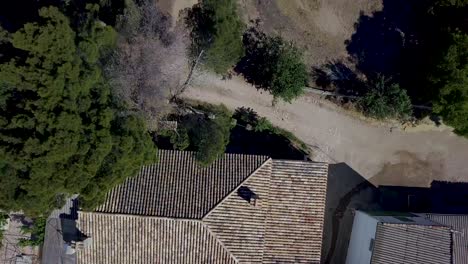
[{"x": 383, "y": 157}]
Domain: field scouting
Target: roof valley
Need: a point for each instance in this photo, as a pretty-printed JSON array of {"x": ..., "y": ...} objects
[{"x": 190, "y": 214}]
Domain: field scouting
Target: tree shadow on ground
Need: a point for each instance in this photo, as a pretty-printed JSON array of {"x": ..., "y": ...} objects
[
  {"x": 257, "y": 136},
  {"x": 266, "y": 143},
  {"x": 340, "y": 78},
  {"x": 260, "y": 57},
  {"x": 400, "y": 42},
  {"x": 396, "y": 42}
]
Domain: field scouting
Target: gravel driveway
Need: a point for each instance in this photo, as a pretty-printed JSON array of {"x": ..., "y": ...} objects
[{"x": 380, "y": 154}]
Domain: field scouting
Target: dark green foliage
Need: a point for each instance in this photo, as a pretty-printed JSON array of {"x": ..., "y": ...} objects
[
  {"x": 60, "y": 133},
  {"x": 263, "y": 124},
  {"x": 210, "y": 136},
  {"x": 37, "y": 232},
  {"x": 385, "y": 100},
  {"x": 451, "y": 80},
  {"x": 217, "y": 29},
  {"x": 290, "y": 76},
  {"x": 179, "y": 139},
  {"x": 273, "y": 65},
  {"x": 3, "y": 221},
  {"x": 449, "y": 74}
]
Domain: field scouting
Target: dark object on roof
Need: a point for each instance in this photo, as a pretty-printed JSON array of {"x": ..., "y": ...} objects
[
  {"x": 247, "y": 194},
  {"x": 178, "y": 212}
]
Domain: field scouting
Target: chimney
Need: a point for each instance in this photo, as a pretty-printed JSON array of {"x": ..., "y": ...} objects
[{"x": 247, "y": 194}]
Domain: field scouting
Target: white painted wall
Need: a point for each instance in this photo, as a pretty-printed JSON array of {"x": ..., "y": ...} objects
[{"x": 364, "y": 227}]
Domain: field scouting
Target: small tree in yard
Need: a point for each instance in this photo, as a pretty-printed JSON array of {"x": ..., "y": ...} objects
[
  {"x": 385, "y": 100},
  {"x": 290, "y": 77},
  {"x": 217, "y": 29},
  {"x": 210, "y": 136},
  {"x": 451, "y": 80},
  {"x": 274, "y": 65}
]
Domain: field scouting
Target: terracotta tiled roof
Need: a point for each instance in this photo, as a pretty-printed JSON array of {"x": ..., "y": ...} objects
[
  {"x": 243, "y": 209},
  {"x": 411, "y": 243},
  {"x": 459, "y": 224},
  {"x": 129, "y": 239},
  {"x": 240, "y": 225},
  {"x": 296, "y": 212},
  {"x": 178, "y": 187}
]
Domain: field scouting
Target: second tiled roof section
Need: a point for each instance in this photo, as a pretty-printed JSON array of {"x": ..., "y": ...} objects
[{"x": 182, "y": 188}]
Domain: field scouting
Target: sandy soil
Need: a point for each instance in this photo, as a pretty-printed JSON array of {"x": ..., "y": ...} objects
[
  {"x": 380, "y": 154},
  {"x": 319, "y": 27}
]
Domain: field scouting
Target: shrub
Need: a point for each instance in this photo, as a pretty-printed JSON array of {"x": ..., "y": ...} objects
[
  {"x": 36, "y": 231},
  {"x": 179, "y": 139},
  {"x": 210, "y": 136},
  {"x": 274, "y": 65},
  {"x": 385, "y": 100}
]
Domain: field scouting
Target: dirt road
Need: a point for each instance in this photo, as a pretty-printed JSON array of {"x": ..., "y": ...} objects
[{"x": 378, "y": 154}]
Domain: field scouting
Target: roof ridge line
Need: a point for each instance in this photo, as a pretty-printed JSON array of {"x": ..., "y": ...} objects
[
  {"x": 302, "y": 161},
  {"x": 218, "y": 240},
  {"x": 237, "y": 187},
  {"x": 221, "y": 155},
  {"x": 440, "y": 225},
  {"x": 141, "y": 216}
]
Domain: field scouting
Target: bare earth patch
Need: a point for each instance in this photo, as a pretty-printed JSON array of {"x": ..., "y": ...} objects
[{"x": 320, "y": 27}]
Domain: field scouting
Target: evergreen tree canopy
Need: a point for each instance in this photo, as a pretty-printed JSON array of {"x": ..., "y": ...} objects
[
  {"x": 210, "y": 136},
  {"x": 449, "y": 75},
  {"x": 60, "y": 132},
  {"x": 290, "y": 75},
  {"x": 273, "y": 64},
  {"x": 217, "y": 29},
  {"x": 451, "y": 79}
]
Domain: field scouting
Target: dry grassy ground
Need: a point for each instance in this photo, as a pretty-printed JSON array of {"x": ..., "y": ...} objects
[{"x": 320, "y": 27}]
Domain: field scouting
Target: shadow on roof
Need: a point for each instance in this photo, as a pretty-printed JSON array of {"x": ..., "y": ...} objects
[{"x": 347, "y": 190}]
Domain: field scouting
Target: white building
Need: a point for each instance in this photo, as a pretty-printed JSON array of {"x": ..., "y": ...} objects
[{"x": 407, "y": 238}]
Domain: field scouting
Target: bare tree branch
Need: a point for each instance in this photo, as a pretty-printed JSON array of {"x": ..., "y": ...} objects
[{"x": 151, "y": 61}]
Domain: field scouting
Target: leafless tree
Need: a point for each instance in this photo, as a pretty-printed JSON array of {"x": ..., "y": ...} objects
[{"x": 151, "y": 60}]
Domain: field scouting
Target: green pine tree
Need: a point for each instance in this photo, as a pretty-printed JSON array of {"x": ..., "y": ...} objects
[
  {"x": 60, "y": 132},
  {"x": 451, "y": 80},
  {"x": 217, "y": 29}
]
